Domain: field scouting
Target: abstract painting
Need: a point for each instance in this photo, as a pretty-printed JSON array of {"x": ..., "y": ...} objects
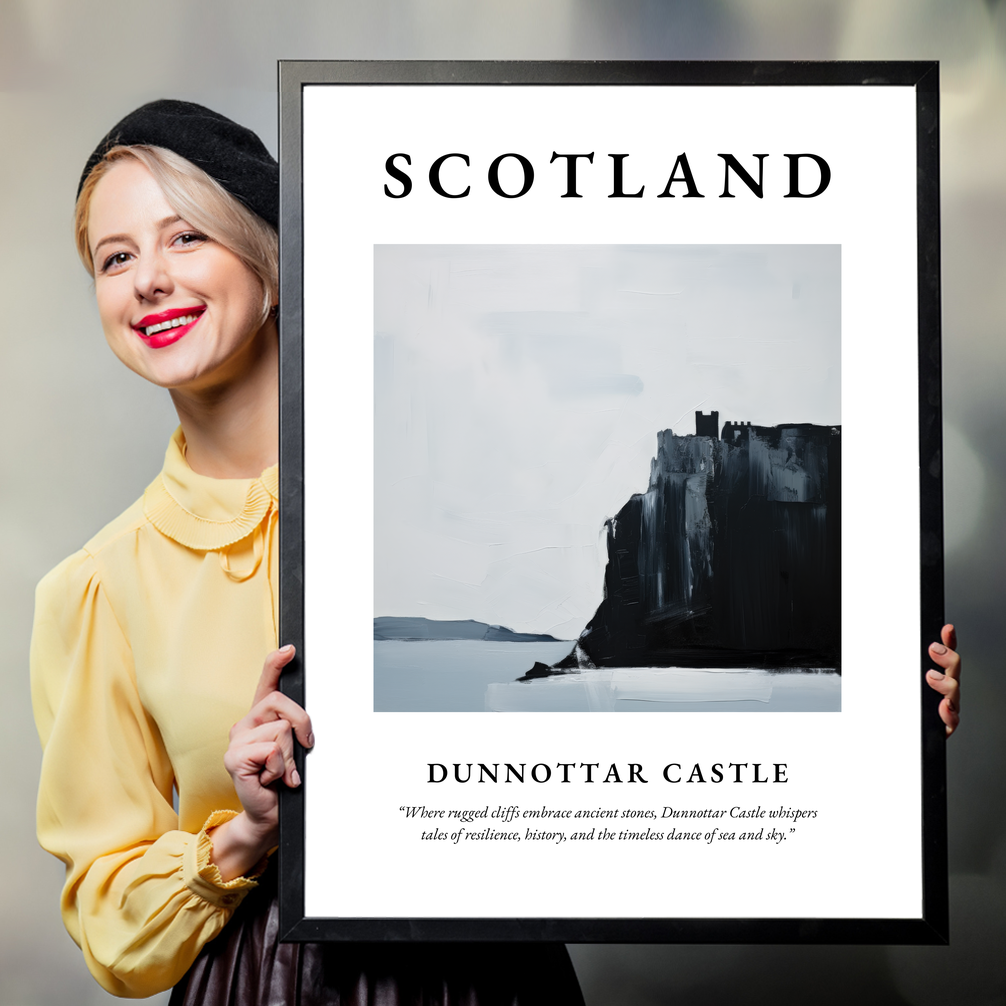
[{"x": 607, "y": 478}]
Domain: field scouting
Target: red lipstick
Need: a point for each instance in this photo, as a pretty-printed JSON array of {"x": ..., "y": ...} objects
[{"x": 166, "y": 327}]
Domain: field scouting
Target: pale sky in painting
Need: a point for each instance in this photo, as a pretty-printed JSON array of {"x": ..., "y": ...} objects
[{"x": 519, "y": 391}]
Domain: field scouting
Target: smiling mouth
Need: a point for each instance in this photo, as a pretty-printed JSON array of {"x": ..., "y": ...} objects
[{"x": 166, "y": 324}]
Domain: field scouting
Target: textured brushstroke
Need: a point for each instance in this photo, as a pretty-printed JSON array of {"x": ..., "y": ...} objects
[
  {"x": 730, "y": 558},
  {"x": 418, "y": 629}
]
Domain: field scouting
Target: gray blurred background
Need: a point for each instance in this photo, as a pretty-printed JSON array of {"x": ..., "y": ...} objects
[{"x": 82, "y": 436}]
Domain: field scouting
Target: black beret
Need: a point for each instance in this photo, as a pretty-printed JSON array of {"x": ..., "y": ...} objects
[{"x": 231, "y": 154}]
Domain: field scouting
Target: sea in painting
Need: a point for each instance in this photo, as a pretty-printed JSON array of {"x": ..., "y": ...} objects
[{"x": 473, "y": 676}]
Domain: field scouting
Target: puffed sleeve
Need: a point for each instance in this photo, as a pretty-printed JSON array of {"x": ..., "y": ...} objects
[{"x": 141, "y": 898}]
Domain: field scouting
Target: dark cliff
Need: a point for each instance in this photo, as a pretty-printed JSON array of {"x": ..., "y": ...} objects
[{"x": 732, "y": 556}]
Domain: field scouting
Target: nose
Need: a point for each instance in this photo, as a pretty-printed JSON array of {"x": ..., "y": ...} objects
[{"x": 152, "y": 276}]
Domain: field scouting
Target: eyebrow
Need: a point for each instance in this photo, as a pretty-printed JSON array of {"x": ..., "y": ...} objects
[{"x": 111, "y": 238}]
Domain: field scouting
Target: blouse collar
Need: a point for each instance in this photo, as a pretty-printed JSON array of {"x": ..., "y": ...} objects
[{"x": 204, "y": 513}]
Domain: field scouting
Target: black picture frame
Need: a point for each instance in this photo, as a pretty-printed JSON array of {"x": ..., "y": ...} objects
[{"x": 931, "y": 924}]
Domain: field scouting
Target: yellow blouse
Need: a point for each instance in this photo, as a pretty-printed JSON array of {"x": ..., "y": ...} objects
[{"x": 147, "y": 647}]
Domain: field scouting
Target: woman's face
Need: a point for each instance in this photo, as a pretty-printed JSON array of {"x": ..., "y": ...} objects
[{"x": 177, "y": 308}]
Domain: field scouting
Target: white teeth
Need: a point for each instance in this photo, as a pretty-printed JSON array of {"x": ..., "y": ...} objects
[{"x": 173, "y": 323}]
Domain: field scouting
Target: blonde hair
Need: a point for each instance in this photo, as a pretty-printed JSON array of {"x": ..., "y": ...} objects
[{"x": 199, "y": 200}]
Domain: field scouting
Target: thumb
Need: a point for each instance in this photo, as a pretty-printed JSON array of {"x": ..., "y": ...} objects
[{"x": 271, "y": 671}]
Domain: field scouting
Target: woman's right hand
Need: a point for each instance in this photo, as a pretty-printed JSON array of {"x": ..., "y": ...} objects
[{"x": 260, "y": 753}]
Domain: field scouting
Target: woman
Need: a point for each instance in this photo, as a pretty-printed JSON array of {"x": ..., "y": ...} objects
[{"x": 149, "y": 642}]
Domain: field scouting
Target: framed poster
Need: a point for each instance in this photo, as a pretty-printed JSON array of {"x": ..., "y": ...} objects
[{"x": 612, "y": 389}]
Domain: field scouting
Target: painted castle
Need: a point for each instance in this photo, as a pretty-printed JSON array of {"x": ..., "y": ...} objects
[{"x": 730, "y": 558}]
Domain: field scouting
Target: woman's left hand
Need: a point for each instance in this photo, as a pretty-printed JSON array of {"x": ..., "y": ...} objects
[{"x": 948, "y": 681}]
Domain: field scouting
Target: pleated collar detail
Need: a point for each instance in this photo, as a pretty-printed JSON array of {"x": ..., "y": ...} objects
[{"x": 203, "y": 513}]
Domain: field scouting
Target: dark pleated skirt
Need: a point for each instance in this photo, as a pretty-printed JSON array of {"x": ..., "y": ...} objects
[{"x": 246, "y": 965}]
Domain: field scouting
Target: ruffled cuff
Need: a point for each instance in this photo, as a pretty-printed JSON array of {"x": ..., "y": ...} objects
[{"x": 203, "y": 878}]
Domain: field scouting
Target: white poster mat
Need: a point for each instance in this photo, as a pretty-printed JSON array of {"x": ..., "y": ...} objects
[{"x": 854, "y": 851}]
